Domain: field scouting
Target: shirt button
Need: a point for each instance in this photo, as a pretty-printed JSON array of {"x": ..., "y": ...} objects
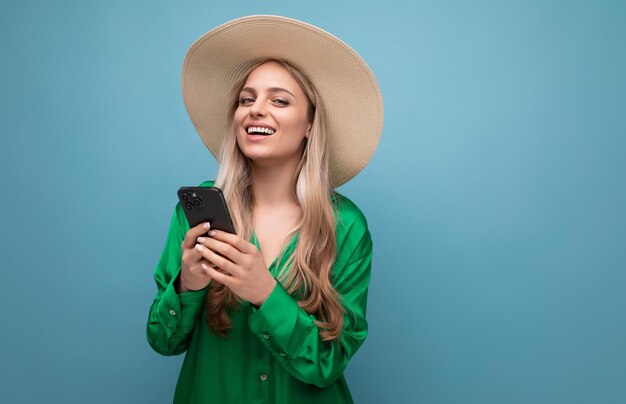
[
  {"x": 266, "y": 335},
  {"x": 263, "y": 376},
  {"x": 283, "y": 354},
  {"x": 172, "y": 312}
]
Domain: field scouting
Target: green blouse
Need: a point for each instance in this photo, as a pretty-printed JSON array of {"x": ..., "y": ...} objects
[{"x": 272, "y": 354}]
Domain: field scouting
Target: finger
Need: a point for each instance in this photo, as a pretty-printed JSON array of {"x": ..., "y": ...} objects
[
  {"x": 193, "y": 234},
  {"x": 202, "y": 263},
  {"x": 218, "y": 276},
  {"x": 218, "y": 260},
  {"x": 206, "y": 262},
  {"x": 222, "y": 248},
  {"x": 192, "y": 257},
  {"x": 234, "y": 240}
]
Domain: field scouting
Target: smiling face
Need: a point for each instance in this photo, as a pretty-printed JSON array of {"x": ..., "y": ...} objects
[{"x": 272, "y": 119}]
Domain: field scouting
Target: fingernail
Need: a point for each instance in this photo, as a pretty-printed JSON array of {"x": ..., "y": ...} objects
[
  {"x": 198, "y": 247},
  {"x": 207, "y": 225},
  {"x": 200, "y": 239},
  {"x": 204, "y": 266},
  {"x": 212, "y": 233}
]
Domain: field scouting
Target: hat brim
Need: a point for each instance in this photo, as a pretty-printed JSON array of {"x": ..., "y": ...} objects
[{"x": 347, "y": 87}]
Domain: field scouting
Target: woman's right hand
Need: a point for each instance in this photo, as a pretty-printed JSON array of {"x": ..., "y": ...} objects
[{"x": 192, "y": 276}]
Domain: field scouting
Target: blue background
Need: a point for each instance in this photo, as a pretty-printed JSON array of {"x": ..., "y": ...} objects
[{"x": 495, "y": 199}]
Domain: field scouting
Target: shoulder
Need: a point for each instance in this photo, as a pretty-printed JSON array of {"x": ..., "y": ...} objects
[
  {"x": 353, "y": 235},
  {"x": 208, "y": 183},
  {"x": 349, "y": 216}
]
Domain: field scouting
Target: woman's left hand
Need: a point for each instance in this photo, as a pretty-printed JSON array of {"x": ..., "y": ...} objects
[{"x": 243, "y": 266}]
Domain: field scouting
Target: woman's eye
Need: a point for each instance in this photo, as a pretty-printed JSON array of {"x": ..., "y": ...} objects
[
  {"x": 245, "y": 100},
  {"x": 281, "y": 101}
]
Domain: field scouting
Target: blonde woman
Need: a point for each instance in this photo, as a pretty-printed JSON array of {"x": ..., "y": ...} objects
[{"x": 274, "y": 313}]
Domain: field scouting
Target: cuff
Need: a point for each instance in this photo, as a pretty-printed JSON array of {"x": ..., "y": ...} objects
[
  {"x": 180, "y": 311},
  {"x": 275, "y": 320}
]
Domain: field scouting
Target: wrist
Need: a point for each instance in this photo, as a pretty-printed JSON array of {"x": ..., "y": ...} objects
[
  {"x": 267, "y": 294},
  {"x": 178, "y": 286}
]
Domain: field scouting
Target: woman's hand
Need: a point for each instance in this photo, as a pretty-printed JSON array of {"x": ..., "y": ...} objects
[
  {"x": 242, "y": 265},
  {"x": 192, "y": 275}
]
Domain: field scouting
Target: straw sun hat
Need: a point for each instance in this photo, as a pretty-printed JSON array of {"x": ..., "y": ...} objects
[{"x": 348, "y": 89}]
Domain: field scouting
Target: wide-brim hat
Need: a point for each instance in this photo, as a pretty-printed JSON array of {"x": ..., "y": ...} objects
[{"x": 349, "y": 91}]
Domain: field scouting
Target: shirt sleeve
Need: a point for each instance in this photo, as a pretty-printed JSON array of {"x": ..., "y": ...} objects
[
  {"x": 290, "y": 333},
  {"x": 172, "y": 315}
]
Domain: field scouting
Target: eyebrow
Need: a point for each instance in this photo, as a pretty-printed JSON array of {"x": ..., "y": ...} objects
[{"x": 271, "y": 89}]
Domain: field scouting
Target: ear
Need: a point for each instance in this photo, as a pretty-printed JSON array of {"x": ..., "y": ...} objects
[{"x": 308, "y": 131}]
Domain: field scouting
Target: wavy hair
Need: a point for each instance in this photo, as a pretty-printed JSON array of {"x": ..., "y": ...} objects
[{"x": 306, "y": 274}]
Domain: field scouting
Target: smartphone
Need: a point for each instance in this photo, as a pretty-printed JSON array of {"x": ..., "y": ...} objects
[{"x": 206, "y": 204}]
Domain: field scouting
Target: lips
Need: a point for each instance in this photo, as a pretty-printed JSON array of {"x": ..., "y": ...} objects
[{"x": 262, "y": 130}]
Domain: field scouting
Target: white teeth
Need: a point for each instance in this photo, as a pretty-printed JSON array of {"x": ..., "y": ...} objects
[{"x": 258, "y": 129}]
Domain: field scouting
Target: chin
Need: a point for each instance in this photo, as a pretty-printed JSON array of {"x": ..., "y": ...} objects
[{"x": 255, "y": 155}]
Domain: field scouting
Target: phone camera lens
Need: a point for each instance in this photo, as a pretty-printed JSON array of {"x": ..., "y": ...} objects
[
  {"x": 188, "y": 206},
  {"x": 186, "y": 197},
  {"x": 197, "y": 202}
]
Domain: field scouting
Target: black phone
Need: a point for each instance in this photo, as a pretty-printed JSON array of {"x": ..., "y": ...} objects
[{"x": 206, "y": 204}]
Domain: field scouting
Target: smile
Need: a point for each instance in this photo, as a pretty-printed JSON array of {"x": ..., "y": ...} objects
[{"x": 259, "y": 130}]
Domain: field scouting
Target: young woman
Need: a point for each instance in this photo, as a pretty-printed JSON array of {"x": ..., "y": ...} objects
[{"x": 274, "y": 313}]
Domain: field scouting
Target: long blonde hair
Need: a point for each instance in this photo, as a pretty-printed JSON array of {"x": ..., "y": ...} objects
[{"x": 307, "y": 272}]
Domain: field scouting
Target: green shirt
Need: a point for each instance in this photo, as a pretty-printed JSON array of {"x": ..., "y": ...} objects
[{"x": 272, "y": 354}]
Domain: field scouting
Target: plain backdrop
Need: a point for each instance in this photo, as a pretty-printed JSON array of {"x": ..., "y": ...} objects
[{"x": 495, "y": 199}]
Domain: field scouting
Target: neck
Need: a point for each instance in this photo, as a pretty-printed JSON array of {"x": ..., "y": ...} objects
[{"x": 273, "y": 185}]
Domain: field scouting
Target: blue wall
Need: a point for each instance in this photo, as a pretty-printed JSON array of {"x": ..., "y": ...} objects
[{"x": 496, "y": 198}]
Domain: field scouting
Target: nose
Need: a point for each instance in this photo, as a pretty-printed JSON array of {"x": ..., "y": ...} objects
[{"x": 257, "y": 109}]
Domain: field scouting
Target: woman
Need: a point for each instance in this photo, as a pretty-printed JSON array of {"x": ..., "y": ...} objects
[{"x": 274, "y": 313}]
